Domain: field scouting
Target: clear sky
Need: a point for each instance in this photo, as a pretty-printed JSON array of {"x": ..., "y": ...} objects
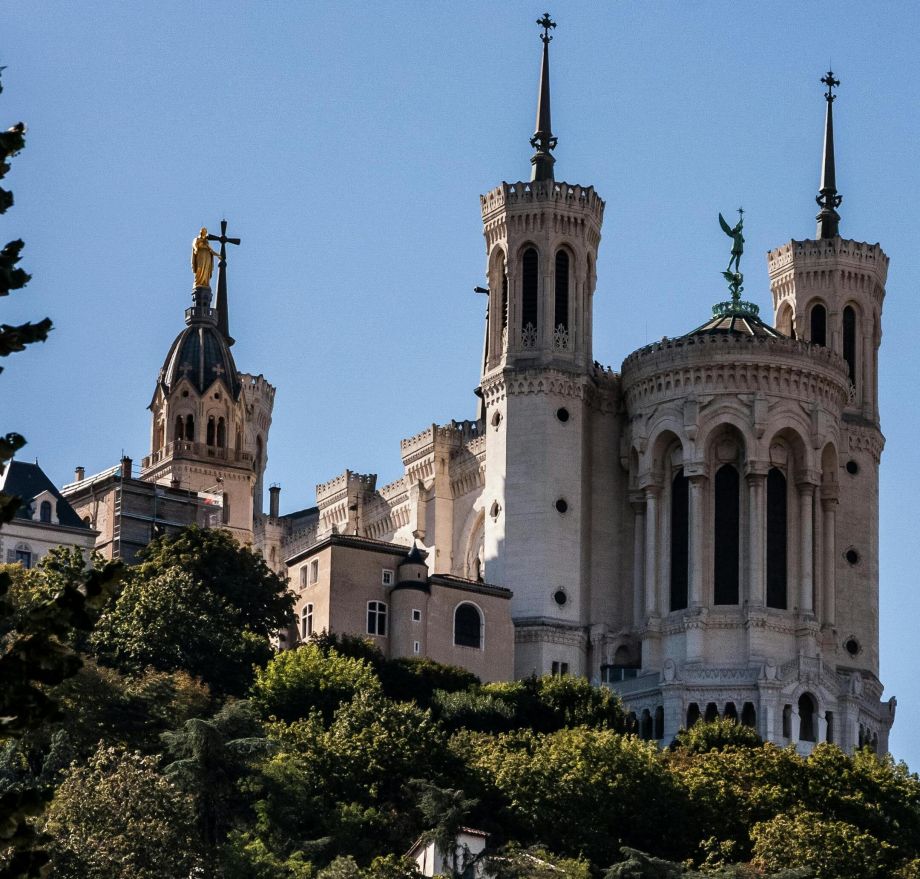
[{"x": 347, "y": 145}]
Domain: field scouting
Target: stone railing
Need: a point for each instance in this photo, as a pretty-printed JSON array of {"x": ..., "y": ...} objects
[
  {"x": 186, "y": 449},
  {"x": 545, "y": 190}
]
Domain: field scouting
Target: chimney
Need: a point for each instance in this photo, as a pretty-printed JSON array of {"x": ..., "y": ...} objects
[
  {"x": 79, "y": 473},
  {"x": 126, "y": 463},
  {"x": 274, "y": 500}
]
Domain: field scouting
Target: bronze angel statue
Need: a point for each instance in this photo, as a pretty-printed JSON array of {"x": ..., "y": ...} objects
[{"x": 737, "y": 241}]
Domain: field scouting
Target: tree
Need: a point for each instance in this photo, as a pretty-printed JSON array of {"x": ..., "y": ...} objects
[
  {"x": 296, "y": 682},
  {"x": 716, "y": 735},
  {"x": 834, "y": 849},
  {"x": 199, "y": 602},
  {"x": 117, "y": 817},
  {"x": 259, "y": 598}
]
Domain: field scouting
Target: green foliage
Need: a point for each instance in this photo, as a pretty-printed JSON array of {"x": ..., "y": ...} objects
[
  {"x": 715, "y": 736},
  {"x": 259, "y": 599},
  {"x": 582, "y": 791},
  {"x": 544, "y": 704},
  {"x": 834, "y": 849},
  {"x": 118, "y": 817},
  {"x": 296, "y": 682},
  {"x": 244, "y": 856},
  {"x": 170, "y": 622}
]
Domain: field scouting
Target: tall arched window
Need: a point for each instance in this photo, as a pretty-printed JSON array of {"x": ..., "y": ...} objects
[
  {"x": 807, "y": 718},
  {"x": 727, "y": 543},
  {"x": 693, "y": 714},
  {"x": 467, "y": 626},
  {"x": 306, "y": 622},
  {"x": 44, "y": 512},
  {"x": 776, "y": 539},
  {"x": 530, "y": 278},
  {"x": 680, "y": 540},
  {"x": 504, "y": 304},
  {"x": 819, "y": 325},
  {"x": 849, "y": 341},
  {"x": 180, "y": 428},
  {"x": 221, "y": 433},
  {"x": 376, "y": 618},
  {"x": 209, "y": 434},
  {"x": 190, "y": 428},
  {"x": 561, "y": 312}
]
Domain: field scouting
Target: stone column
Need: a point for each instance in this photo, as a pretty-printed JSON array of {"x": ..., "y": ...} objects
[
  {"x": 806, "y": 547},
  {"x": 757, "y": 573},
  {"x": 637, "y": 501},
  {"x": 652, "y": 495},
  {"x": 829, "y": 586},
  {"x": 697, "y": 488}
]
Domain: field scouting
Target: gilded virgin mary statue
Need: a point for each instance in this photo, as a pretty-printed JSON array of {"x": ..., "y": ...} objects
[{"x": 202, "y": 259}]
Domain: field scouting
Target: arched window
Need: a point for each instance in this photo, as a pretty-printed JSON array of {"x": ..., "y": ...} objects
[
  {"x": 849, "y": 341},
  {"x": 190, "y": 428},
  {"x": 504, "y": 303},
  {"x": 209, "y": 436},
  {"x": 645, "y": 728},
  {"x": 225, "y": 509},
  {"x": 680, "y": 540},
  {"x": 44, "y": 512},
  {"x": 306, "y": 622},
  {"x": 712, "y": 712},
  {"x": 749, "y": 715},
  {"x": 561, "y": 312},
  {"x": 180, "y": 428},
  {"x": 807, "y": 718},
  {"x": 221, "y": 433},
  {"x": 819, "y": 324},
  {"x": 776, "y": 539},
  {"x": 730, "y": 713},
  {"x": 727, "y": 542},
  {"x": 376, "y": 618},
  {"x": 693, "y": 714},
  {"x": 467, "y": 626},
  {"x": 530, "y": 281},
  {"x": 22, "y": 554}
]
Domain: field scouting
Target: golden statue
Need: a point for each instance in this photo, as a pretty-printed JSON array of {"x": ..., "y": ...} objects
[{"x": 203, "y": 259}]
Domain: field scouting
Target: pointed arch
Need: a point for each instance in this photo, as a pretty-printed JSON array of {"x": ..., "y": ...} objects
[
  {"x": 530, "y": 293},
  {"x": 561, "y": 303},
  {"x": 817, "y": 324},
  {"x": 190, "y": 428}
]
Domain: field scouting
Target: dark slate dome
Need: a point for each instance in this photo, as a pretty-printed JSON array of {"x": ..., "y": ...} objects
[
  {"x": 739, "y": 318},
  {"x": 200, "y": 352}
]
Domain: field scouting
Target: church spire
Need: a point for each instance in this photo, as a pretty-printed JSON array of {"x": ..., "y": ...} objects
[
  {"x": 543, "y": 140},
  {"x": 221, "y": 305},
  {"x": 828, "y": 199}
]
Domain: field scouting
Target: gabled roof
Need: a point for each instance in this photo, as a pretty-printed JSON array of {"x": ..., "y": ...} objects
[{"x": 28, "y": 481}]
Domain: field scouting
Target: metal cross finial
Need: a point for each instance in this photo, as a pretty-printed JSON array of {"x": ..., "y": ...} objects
[
  {"x": 546, "y": 23},
  {"x": 831, "y": 84},
  {"x": 224, "y": 240},
  {"x": 740, "y": 213}
]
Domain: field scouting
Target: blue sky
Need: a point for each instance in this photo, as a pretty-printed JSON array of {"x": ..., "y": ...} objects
[{"x": 347, "y": 145}]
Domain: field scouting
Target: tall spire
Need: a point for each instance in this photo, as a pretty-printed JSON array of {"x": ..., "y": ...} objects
[
  {"x": 828, "y": 218},
  {"x": 543, "y": 140},
  {"x": 221, "y": 305}
]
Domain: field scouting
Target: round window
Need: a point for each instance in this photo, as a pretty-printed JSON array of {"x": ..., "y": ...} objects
[
  {"x": 852, "y": 556},
  {"x": 560, "y": 597},
  {"x": 851, "y": 645},
  {"x": 562, "y": 505},
  {"x": 562, "y": 414},
  {"x": 852, "y": 467}
]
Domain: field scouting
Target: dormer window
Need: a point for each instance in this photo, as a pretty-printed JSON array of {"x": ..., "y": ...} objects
[{"x": 44, "y": 512}]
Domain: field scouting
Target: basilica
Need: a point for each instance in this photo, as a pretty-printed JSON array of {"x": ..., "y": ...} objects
[{"x": 697, "y": 530}]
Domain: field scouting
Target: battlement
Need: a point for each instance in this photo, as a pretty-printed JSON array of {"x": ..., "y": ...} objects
[
  {"x": 258, "y": 386},
  {"x": 666, "y": 352},
  {"x": 817, "y": 254},
  {"x": 509, "y": 195},
  {"x": 454, "y": 435},
  {"x": 346, "y": 482}
]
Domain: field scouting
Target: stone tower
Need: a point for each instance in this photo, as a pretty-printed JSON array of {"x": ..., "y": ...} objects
[
  {"x": 829, "y": 291},
  {"x": 210, "y": 422},
  {"x": 541, "y": 244}
]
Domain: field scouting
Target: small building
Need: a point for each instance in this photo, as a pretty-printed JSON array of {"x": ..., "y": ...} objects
[
  {"x": 43, "y": 521},
  {"x": 127, "y": 513},
  {"x": 463, "y": 861},
  {"x": 359, "y": 586}
]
